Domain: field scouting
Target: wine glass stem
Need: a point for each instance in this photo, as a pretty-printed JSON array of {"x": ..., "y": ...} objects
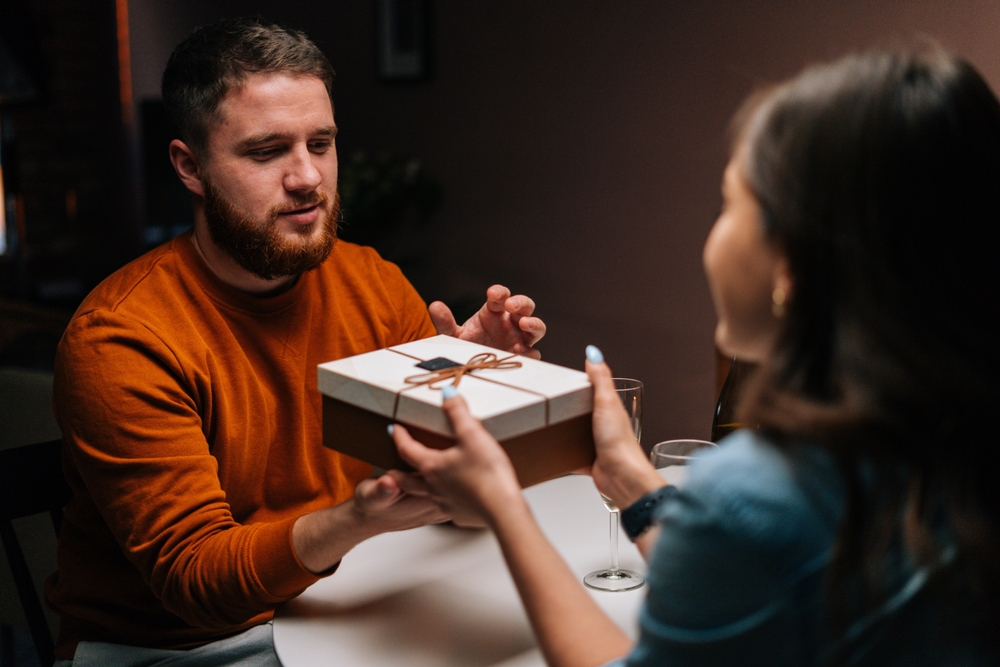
[{"x": 614, "y": 541}]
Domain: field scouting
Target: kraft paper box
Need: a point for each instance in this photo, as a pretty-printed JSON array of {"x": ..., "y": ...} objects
[{"x": 540, "y": 412}]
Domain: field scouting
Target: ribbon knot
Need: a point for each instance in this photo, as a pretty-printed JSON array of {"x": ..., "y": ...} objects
[{"x": 481, "y": 361}]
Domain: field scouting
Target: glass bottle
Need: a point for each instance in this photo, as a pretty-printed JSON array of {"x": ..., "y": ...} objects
[{"x": 725, "y": 421}]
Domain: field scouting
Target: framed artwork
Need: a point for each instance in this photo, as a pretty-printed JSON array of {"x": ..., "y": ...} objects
[{"x": 401, "y": 39}]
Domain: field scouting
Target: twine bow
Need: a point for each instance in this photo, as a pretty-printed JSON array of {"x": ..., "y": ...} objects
[{"x": 481, "y": 361}]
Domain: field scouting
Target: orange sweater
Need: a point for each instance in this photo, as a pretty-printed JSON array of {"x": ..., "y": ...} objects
[{"x": 191, "y": 423}]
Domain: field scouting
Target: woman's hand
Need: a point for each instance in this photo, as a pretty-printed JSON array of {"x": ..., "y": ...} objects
[
  {"x": 621, "y": 471},
  {"x": 473, "y": 480}
]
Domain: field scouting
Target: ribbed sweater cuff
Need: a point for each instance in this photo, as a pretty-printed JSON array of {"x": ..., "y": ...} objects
[{"x": 277, "y": 567}]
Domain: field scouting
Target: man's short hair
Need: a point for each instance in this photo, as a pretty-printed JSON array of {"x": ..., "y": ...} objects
[{"x": 217, "y": 58}]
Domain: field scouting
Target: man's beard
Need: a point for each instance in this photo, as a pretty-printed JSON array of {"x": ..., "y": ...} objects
[{"x": 257, "y": 245}]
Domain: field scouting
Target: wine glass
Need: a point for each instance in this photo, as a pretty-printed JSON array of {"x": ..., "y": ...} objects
[
  {"x": 670, "y": 457},
  {"x": 614, "y": 578}
]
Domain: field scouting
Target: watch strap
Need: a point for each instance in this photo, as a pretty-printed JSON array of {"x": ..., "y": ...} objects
[{"x": 638, "y": 517}]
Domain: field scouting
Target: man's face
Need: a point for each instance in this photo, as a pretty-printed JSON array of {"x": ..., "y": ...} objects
[{"x": 270, "y": 175}]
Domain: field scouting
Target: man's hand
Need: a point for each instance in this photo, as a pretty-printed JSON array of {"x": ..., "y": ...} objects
[
  {"x": 504, "y": 322},
  {"x": 380, "y": 505}
]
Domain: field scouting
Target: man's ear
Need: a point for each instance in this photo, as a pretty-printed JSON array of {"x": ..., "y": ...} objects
[{"x": 187, "y": 167}]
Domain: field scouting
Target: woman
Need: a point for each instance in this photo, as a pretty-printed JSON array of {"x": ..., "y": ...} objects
[{"x": 859, "y": 523}]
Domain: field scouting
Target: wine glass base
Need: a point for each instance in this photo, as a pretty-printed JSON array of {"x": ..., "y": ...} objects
[{"x": 608, "y": 580}]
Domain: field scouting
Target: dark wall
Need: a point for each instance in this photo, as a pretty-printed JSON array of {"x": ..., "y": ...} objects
[
  {"x": 65, "y": 152},
  {"x": 581, "y": 145}
]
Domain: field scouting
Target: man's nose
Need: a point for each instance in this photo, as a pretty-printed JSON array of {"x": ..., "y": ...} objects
[{"x": 302, "y": 173}]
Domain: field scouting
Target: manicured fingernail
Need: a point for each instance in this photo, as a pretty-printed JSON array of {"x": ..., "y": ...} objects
[
  {"x": 449, "y": 392},
  {"x": 389, "y": 429},
  {"x": 594, "y": 355}
]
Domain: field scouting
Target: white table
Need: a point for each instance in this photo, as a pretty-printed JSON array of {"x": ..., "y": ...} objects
[{"x": 441, "y": 595}]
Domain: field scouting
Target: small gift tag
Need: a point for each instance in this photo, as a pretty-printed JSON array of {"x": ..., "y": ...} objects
[{"x": 437, "y": 364}]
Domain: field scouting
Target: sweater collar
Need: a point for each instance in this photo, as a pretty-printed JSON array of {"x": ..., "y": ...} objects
[{"x": 225, "y": 293}]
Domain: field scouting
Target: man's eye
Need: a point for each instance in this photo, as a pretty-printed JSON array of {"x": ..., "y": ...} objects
[
  {"x": 319, "y": 146},
  {"x": 263, "y": 153}
]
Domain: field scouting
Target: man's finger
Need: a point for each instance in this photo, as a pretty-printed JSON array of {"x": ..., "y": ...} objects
[
  {"x": 382, "y": 490},
  {"x": 533, "y": 329},
  {"x": 496, "y": 297},
  {"x": 519, "y": 305},
  {"x": 443, "y": 319},
  {"x": 526, "y": 351}
]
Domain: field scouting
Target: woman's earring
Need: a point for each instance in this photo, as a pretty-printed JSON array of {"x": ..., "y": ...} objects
[{"x": 778, "y": 302}]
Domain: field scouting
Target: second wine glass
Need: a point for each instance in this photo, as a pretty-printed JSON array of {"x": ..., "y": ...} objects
[{"x": 614, "y": 578}]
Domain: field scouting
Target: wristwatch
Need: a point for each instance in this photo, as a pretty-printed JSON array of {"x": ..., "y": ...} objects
[{"x": 638, "y": 517}]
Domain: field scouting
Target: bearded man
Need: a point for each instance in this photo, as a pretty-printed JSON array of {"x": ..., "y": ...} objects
[{"x": 186, "y": 382}]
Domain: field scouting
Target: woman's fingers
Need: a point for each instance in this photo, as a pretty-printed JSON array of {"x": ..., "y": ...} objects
[
  {"x": 413, "y": 452},
  {"x": 468, "y": 429},
  {"x": 610, "y": 418},
  {"x": 411, "y": 483},
  {"x": 596, "y": 367},
  {"x": 621, "y": 471},
  {"x": 600, "y": 376},
  {"x": 467, "y": 477}
]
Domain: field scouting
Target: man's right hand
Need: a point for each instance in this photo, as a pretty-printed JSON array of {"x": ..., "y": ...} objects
[
  {"x": 322, "y": 538},
  {"x": 381, "y": 503}
]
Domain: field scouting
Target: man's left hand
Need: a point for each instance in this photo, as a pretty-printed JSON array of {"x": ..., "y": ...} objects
[{"x": 504, "y": 322}]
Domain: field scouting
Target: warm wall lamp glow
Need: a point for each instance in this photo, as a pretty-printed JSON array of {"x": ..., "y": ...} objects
[
  {"x": 16, "y": 87},
  {"x": 3, "y": 205},
  {"x": 124, "y": 61}
]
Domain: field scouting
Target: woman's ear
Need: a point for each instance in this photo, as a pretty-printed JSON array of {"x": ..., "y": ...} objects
[
  {"x": 782, "y": 286},
  {"x": 783, "y": 276},
  {"x": 187, "y": 167}
]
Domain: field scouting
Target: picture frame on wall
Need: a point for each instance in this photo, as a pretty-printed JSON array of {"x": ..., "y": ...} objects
[{"x": 402, "y": 40}]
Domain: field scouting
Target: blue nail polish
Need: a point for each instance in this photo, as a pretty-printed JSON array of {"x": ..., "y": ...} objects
[
  {"x": 594, "y": 355},
  {"x": 449, "y": 392},
  {"x": 389, "y": 429}
]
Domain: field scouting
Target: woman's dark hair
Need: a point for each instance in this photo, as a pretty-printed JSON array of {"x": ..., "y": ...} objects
[
  {"x": 217, "y": 58},
  {"x": 878, "y": 176}
]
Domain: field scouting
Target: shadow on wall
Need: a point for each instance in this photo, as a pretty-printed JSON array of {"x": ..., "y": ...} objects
[{"x": 29, "y": 335}]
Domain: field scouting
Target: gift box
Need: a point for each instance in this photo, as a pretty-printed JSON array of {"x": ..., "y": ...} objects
[{"x": 540, "y": 412}]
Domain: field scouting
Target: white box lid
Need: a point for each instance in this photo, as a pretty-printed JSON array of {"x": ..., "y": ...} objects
[{"x": 509, "y": 402}]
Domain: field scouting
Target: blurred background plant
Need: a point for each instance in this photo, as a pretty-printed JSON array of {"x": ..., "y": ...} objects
[
  {"x": 388, "y": 202},
  {"x": 384, "y": 200}
]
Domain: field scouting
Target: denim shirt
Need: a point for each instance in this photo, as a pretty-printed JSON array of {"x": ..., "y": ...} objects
[{"x": 736, "y": 576}]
